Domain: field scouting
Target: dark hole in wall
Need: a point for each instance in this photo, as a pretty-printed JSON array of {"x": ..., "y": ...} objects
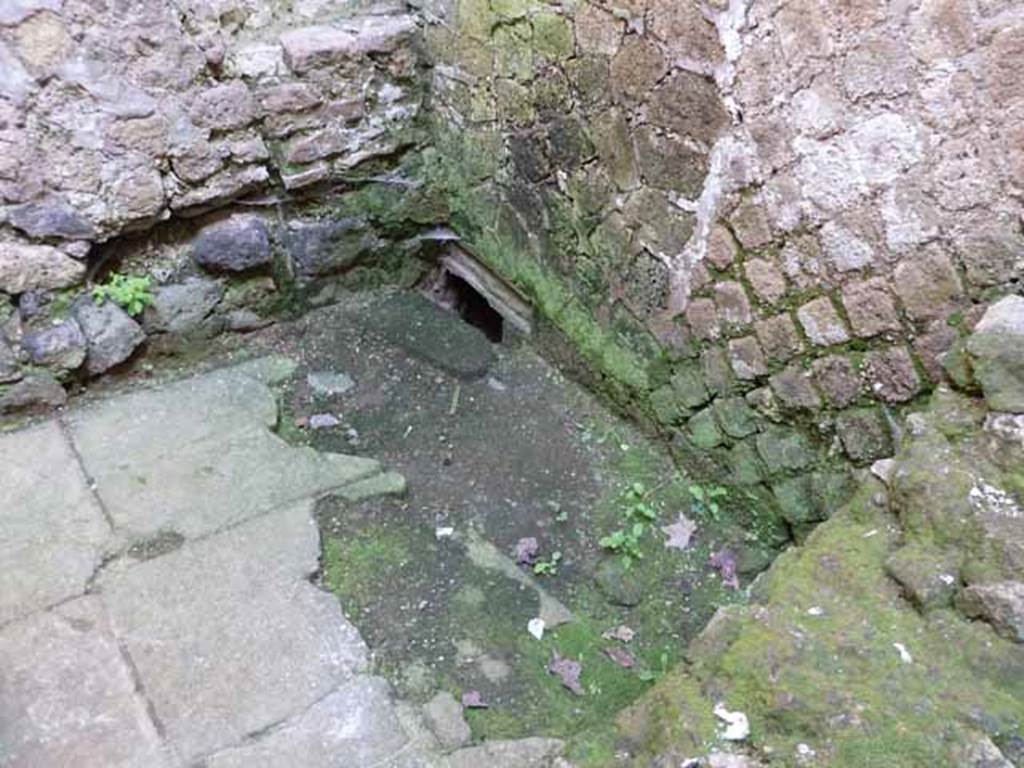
[{"x": 472, "y": 307}]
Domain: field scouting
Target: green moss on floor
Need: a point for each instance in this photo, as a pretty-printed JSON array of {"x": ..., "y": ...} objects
[{"x": 816, "y": 662}]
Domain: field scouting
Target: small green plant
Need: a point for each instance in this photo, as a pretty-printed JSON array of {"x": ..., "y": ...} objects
[
  {"x": 548, "y": 567},
  {"x": 705, "y": 499},
  {"x": 626, "y": 543},
  {"x": 638, "y": 514},
  {"x": 649, "y": 675},
  {"x": 129, "y": 292}
]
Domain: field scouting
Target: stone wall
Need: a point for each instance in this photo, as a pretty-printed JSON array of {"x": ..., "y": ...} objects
[
  {"x": 761, "y": 225},
  {"x": 765, "y": 223},
  {"x": 250, "y": 146}
]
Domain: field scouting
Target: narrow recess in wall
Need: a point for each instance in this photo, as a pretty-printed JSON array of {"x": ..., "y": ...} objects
[{"x": 463, "y": 285}]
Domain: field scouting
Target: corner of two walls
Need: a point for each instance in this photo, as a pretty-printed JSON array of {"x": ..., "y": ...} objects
[
  {"x": 764, "y": 224},
  {"x": 245, "y": 162}
]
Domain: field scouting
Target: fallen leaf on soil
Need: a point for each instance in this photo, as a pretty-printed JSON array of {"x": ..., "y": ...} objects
[
  {"x": 620, "y": 656},
  {"x": 621, "y": 633},
  {"x": 474, "y": 700},
  {"x": 536, "y": 628},
  {"x": 526, "y": 551},
  {"x": 679, "y": 533},
  {"x": 568, "y": 671},
  {"x": 724, "y": 561}
]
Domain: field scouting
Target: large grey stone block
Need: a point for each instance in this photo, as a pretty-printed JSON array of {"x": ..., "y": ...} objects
[
  {"x": 52, "y": 531},
  {"x": 228, "y": 635},
  {"x": 199, "y": 454},
  {"x": 67, "y": 697},
  {"x": 353, "y": 726}
]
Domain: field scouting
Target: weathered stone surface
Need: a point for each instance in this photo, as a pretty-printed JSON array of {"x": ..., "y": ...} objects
[
  {"x": 51, "y": 218},
  {"x": 430, "y": 333},
  {"x": 354, "y": 725},
  {"x": 721, "y": 247},
  {"x": 68, "y": 697},
  {"x": 928, "y": 576},
  {"x": 219, "y": 189},
  {"x": 618, "y": 585},
  {"x": 703, "y": 430},
  {"x": 236, "y": 244},
  {"x": 822, "y": 323},
  {"x": 110, "y": 333},
  {"x": 444, "y": 717},
  {"x": 837, "y": 379},
  {"x": 15, "y": 82},
  {"x": 703, "y": 319},
  {"x": 15, "y": 11},
  {"x": 891, "y": 374},
  {"x": 221, "y": 425},
  {"x": 779, "y": 337},
  {"x": 782, "y": 449},
  {"x": 870, "y": 308},
  {"x": 750, "y": 224},
  {"x": 865, "y": 434},
  {"x": 325, "y": 247},
  {"x": 9, "y": 368},
  {"x": 598, "y": 31},
  {"x": 552, "y": 35},
  {"x": 736, "y": 418},
  {"x": 732, "y": 304},
  {"x": 689, "y": 386},
  {"x": 1001, "y": 604},
  {"x": 670, "y": 163},
  {"x": 611, "y": 137},
  {"x": 689, "y": 105},
  {"x": 36, "y": 267},
  {"x": 926, "y": 284},
  {"x": 225, "y": 107},
  {"x": 34, "y": 391},
  {"x": 61, "y": 347},
  {"x": 54, "y": 531},
  {"x": 258, "y": 611},
  {"x": 766, "y": 280},
  {"x": 312, "y": 47},
  {"x": 996, "y": 349},
  {"x": 793, "y": 388},
  {"x": 747, "y": 359},
  {"x": 524, "y": 753},
  {"x": 636, "y": 68},
  {"x": 289, "y": 97},
  {"x": 182, "y": 308}
]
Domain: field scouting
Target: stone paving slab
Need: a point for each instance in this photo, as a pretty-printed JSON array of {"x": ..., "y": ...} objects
[
  {"x": 52, "y": 531},
  {"x": 197, "y": 455},
  {"x": 67, "y": 697},
  {"x": 228, "y": 635},
  {"x": 353, "y": 726}
]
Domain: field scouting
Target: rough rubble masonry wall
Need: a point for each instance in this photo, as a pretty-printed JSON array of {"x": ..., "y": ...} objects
[
  {"x": 764, "y": 222},
  {"x": 117, "y": 117}
]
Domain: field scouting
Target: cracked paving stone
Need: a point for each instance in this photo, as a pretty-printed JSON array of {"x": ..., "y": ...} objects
[
  {"x": 228, "y": 634},
  {"x": 199, "y": 454},
  {"x": 52, "y": 531},
  {"x": 355, "y": 725},
  {"x": 67, "y": 698}
]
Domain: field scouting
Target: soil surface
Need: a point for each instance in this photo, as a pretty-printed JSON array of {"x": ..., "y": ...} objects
[{"x": 496, "y": 447}]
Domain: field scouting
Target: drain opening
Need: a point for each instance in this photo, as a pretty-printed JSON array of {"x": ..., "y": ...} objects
[
  {"x": 463, "y": 285},
  {"x": 474, "y": 308}
]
